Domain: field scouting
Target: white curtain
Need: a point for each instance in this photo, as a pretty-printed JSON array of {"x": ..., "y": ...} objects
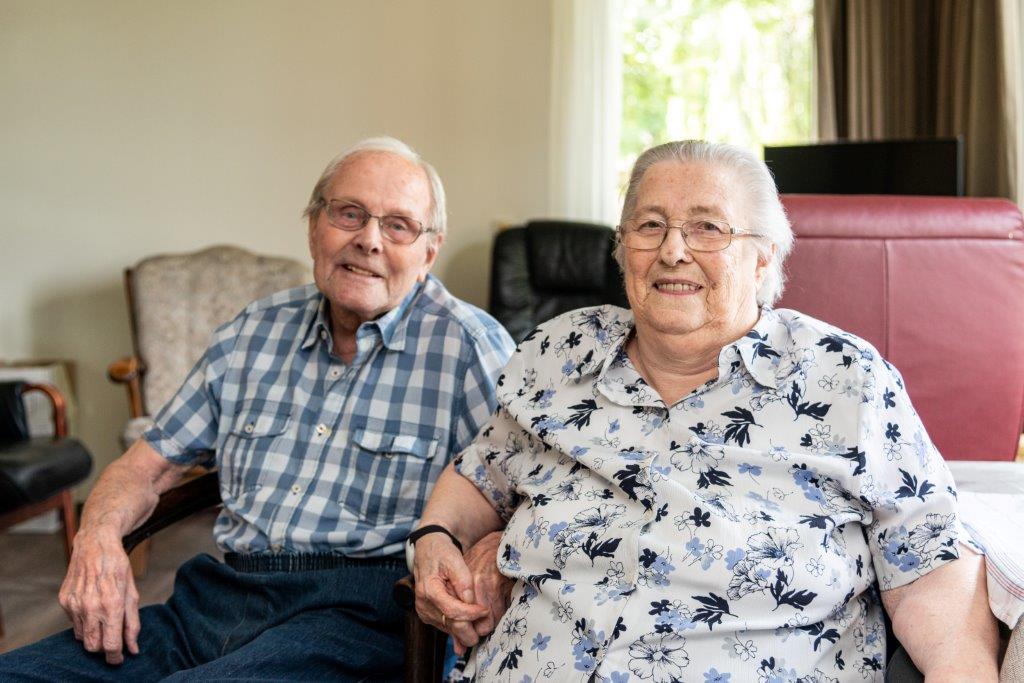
[
  {"x": 586, "y": 108},
  {"x": 1013, "y": 80}
]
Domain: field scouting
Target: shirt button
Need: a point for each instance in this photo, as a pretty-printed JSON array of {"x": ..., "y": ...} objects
[
  {"x": 335, "y": 373},
  {"x": 276, "y": 547},
  {"x": 321, "y": 429},
  {"x": 323, "y": 334},
  {"x": 296, "y": 489},
  {"x": 248, "y": 428}
]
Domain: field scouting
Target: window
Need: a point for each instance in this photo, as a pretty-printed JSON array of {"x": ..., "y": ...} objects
[{"x": 737, "y": 71}]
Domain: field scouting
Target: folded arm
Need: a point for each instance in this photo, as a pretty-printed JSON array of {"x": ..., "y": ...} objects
[{"x": 944, "y": 622}]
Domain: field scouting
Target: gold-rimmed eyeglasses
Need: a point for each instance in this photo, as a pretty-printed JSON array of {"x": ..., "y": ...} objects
[{"x": 699, "y": 234}]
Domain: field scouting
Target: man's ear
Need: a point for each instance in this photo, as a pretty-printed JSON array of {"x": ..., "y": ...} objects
[
  {"x": 309, "y": 236},
  {"x": 433, "y": 246}
]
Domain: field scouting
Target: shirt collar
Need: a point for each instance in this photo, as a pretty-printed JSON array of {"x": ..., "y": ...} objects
[
  {"x": 759, "y": 349},
  {"x": 391, "y": 327}
]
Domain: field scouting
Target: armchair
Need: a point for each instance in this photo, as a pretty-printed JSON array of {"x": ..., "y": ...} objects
[
  {"x": 175, "y": 302},
  {"x": 545, "y": 268},
  {"x": 36, "y": 474},
  {"x": 935, "y": 284}
]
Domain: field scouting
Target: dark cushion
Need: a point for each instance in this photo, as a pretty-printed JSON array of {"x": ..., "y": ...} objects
[
  {"x": 34, "y": 470},
  {"x": 13, "y": 420},
  {"x": 568, "y": 258},
  {"x": 546, "y": 268}
]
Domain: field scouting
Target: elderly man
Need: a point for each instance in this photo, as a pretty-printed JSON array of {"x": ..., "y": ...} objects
[{"x": 331, "y": 409}]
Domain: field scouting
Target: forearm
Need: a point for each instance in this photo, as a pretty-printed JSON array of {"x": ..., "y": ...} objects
[
  {"x": 944, "y": 622},
  {"x": 457, "y": 505},
  {"x": 128, "y": 491}
]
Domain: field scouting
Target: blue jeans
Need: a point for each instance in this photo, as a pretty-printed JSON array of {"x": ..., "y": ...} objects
[{"x": 223, "y": 624}]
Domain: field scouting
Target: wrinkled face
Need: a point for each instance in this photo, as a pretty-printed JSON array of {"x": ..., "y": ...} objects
[
  {"x": 674, "y": 290},
  {"x": 361, "y": 272}
]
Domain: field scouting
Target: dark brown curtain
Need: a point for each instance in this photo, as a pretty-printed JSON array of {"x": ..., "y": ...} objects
[{"x": 897, "y": 69}]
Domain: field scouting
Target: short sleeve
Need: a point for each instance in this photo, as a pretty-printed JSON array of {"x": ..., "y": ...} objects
[
  {"x": 481, "y": 366},
  {"x": 185, "y": 428},
  {"x": 915, "y": 527},
  {"x": 494, "y": 458}
]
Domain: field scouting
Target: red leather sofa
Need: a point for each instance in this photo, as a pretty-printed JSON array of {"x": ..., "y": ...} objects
[{"x": 937, "y": 285}]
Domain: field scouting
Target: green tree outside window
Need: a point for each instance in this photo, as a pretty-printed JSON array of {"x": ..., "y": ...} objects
[{"x": 737, "y": 71}]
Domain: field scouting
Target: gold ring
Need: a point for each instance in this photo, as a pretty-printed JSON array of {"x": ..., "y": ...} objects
[{"x": 444, "y": 621}]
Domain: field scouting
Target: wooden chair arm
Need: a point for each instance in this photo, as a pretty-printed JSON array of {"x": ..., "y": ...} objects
[
  {"x": 129, "y": 371},
  {"x": 59, "y": 403},
  {"x": 404, "y": 593},
  {"x": 424, "y": 645},
  {"x": 176, "y": 504},
  {"x": 124, "y": 369}
]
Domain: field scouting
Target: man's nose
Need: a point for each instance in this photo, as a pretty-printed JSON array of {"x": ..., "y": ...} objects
[
  {"x": 369, "y": 237},
  {"x": 674, "y": 249}
]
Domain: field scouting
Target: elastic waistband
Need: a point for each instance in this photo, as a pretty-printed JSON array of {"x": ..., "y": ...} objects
[{"x": 305, "y": 562}]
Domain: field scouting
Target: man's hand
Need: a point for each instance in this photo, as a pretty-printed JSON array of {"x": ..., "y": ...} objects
[
  {"x": 445, "y": 596},
  {"x": 100, "y": 597},
  {"x": 491, "y": 588}
]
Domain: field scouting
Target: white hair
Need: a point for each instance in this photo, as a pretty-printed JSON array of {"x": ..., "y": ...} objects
[
  {"x": 767, "y": 217},
  {"x": 438, "y": 218}
]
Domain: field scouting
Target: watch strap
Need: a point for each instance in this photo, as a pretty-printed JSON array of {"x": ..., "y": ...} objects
[{"x": 434, "y": 529}]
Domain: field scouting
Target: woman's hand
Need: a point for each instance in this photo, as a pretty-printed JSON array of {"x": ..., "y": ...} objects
[
  {"x": 491, "y": 588},
  {"x": 445, "y": 594}
]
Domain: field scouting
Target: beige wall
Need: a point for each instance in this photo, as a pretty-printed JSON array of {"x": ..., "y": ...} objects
[{"x": 132, "y": 128}]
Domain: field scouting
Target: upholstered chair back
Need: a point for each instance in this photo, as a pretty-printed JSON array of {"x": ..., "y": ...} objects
[
  {"x": 545, "y": 268},
  {"x": 934, "y": 283},
  {"x": 177, "y": 302}
]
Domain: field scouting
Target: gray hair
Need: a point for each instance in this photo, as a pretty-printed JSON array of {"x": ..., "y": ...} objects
[
  {"x": 438, "y": 219},
  {"x": 766, "y": 213}
]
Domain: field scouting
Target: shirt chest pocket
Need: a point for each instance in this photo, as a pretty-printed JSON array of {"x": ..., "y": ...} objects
[
  {"x": 394, "y": 472},
  {"x": 257, "y": 443}
]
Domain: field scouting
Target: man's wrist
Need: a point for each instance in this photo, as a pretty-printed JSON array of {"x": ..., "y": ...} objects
[
  {"x": 417, "y": 534},
  {"x": 434, "y": 529}
]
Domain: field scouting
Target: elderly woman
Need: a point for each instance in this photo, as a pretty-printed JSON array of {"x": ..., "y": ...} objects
[{"x": 702, "y": 488}]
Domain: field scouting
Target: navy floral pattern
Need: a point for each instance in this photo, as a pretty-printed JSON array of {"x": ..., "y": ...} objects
[{"x": 741, "y": 534}]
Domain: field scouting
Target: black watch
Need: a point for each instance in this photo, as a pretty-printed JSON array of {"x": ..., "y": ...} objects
[{"x": 410, "y": 542}]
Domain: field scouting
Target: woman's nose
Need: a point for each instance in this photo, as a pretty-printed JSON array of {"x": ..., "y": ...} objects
[{"x": 674, "y": 249}]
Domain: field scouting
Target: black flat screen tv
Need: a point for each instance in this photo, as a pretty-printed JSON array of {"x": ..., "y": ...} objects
[{"x": 924, "y": 167}]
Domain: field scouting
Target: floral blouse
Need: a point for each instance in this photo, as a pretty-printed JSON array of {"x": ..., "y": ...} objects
[{"x": 741, "y": 534}]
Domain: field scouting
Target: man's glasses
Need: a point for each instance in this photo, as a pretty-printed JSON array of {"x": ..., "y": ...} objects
[
  {"x": 394, "y": 228},
  {"x": 699, "y": 234}
]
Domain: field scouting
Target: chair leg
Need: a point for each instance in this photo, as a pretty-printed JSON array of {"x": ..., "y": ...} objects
[
  {"x": 139, "y": 557},
  {"x": 69, "y": 521}
]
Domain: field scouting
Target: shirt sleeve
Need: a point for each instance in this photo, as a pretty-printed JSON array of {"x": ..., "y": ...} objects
[
  {"x": 492, "y": 460},
  {"x": 186, "y": 428},
  {"x": 915, "y": 526},
  {"x": 487, "y": 356}
]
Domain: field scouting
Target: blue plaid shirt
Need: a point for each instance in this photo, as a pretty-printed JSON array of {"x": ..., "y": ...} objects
[{"x": 317, "y": 455}]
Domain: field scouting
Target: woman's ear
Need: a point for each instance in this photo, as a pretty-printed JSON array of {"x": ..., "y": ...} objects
[{"x": 764, "y": 260}]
